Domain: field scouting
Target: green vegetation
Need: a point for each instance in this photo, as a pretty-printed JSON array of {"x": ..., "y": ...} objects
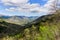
[{"x": 44, "y": 28}]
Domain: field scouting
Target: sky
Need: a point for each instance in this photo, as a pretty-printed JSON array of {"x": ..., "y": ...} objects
[{"x": 27, "y": 7}]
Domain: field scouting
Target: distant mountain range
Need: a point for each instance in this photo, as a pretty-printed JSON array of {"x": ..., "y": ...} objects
[{"x": 18, "y": 19}]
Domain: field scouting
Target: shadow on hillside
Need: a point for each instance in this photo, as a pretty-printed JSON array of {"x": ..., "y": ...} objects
[{"x": 10, "y": 29}]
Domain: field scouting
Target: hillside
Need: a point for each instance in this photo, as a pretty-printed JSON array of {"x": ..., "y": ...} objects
[
  {"x": 46, "y": 27},
  {"x": 9, "y": 28},
  {"x": 21, "y": 20}
]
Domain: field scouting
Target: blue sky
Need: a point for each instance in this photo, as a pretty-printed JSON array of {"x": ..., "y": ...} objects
[
  {"x": 23, "y": 7},
  {"x": 41, "y": 2}
]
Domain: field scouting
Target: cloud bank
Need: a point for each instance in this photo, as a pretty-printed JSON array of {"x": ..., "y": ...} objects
[{"x": 25, "y": 6}]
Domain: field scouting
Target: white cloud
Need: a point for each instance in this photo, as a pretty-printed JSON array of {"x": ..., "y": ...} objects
[
  {"x": 58, "y": 4},
  {"x": 50, "y": 5},
  {"x": 14, "y": 1},
  {"x": 11, "y": 9},
  {"x": 24, "y": 6}
]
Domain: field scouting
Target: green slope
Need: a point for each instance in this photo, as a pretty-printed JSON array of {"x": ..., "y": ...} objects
[{"x": 46, "y": 27}]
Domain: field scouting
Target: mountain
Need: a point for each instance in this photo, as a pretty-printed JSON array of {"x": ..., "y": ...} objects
[
  {"x": 4, "y": 16},
  {"x": 21, "y": 20},
  {"x": 9, "y": 28},
  {"x": 50, "y": 19},
  {"x": 46, "y": 27}
]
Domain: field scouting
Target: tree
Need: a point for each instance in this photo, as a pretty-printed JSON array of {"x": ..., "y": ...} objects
[{"x": 27, "y": 34}]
